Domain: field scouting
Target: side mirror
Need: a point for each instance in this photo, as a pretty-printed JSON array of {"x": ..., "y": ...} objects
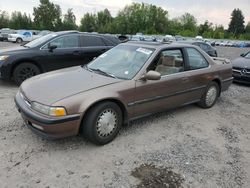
[
  {"x": 52, "y": 47},
  {"x": 242, "y": 55},
  {"x": 152, "y": 75}
]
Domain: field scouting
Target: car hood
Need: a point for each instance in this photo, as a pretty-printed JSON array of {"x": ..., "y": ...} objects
[
  {"x": 13, "y": 50},
  {"x": 241, "y": 62},
  {"x": 51, "y": 87}
]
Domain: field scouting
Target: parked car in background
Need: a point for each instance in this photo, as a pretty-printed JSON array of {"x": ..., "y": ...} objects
[
  {"x": 131, "y": 80},
  {"x": 137, "y": 38},
  {"x": 199, "y": 38},
  {"x": 169, "y": 38},
  {"x": 179, "y": 38},
  {"x": 5, "y": 32},
  {"x": 21, "y": 36},
  {"x": 204, "y": 46},
  {"x": 53, "y": 51},
  {"x": 241, "y": 68}
]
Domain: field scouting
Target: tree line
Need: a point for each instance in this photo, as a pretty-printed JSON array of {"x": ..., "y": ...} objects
[{"x": 133, "y": 18}]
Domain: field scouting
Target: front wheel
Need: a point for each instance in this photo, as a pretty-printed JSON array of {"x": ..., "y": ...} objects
[
  {"x": 210, "y": 96},
  {"x": 102, "y": 123},
  {"x": 24, "y": 71},
  {"x": 19, "y": 40}
]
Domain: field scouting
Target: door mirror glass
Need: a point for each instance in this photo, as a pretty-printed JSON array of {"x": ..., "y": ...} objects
[{"x": 152, "y": 75}]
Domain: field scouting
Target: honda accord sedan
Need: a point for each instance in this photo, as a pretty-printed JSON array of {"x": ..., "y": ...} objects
[{"x": 132, "y": 80}]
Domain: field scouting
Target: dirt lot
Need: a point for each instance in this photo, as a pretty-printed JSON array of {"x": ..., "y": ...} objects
[{"x": 185, "y": 147}]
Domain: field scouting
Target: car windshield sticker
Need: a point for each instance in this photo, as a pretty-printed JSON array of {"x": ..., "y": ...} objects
[
  {"x": 126, "y": 72},
  {"x": 103, "y": 55},
  {"x": 144, "y": 50}
]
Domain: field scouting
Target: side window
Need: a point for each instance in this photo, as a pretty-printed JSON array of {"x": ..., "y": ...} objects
[
  {"x": 204, "y": 47},
  {"x": 91, "y": 41},
  {"x": 169, "y": 62},
  {"x": 196, "y": 60},
  {"x": 70, "y": 41}
]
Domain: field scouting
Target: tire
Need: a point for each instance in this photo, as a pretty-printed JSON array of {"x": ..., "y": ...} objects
[
  {"x": 19, "y": 40},
  {"x": 101, "y": 135},
  {"x": 24, "y": 71},
  {"x": 210, "y": 96}
]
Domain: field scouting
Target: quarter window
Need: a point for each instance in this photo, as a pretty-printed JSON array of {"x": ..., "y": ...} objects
[{"x": 196, "y": 60}]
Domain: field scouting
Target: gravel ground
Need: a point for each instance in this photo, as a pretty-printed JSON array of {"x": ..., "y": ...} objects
[{"x": 185, "y": 147}]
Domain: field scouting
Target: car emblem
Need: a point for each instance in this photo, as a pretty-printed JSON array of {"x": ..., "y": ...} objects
[{"x": 243, "y": 71}]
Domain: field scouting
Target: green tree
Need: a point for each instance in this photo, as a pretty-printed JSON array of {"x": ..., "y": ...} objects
[
  {"x": 47, "y": 16},
  {"x": 236, "y": 25},
  {"x": 174, "y": 26},
  {"x": 4, "y": 19},
  {"x": 20, "y": 21},
  {"x": 69, "y": 21},
  {"x": 88, "y": 23},
  {"x": 205, "y": 29},
  {"x": 144, "y": 18},
  {"x": 219, "y": 32},
  {"x": 104, "y": 19},
  {"x": 188, "y": 22},
  {"x": 248, "y": 28}
]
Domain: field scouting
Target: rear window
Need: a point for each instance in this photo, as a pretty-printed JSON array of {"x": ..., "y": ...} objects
[{"x": 196, "y": 60}]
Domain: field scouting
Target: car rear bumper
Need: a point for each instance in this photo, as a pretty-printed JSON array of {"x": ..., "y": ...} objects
[{"x": 48, "y": 127}]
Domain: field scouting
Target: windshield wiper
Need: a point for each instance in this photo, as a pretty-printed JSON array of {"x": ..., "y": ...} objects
[
  {"x": 87, "y": 68},
  {"x": 25, "y": 46},
  {"x": 103, "y": 72}
]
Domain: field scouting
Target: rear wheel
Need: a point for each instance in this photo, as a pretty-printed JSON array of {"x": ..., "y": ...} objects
[
  {"x": 102, "y": 123},
  {"x": 25, "y": 71},
  {"x": 210, "y": 96},
  {"x": 19, "y": 40}
]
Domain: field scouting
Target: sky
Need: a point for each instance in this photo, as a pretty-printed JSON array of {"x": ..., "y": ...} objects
[{"x": 215, "y": 11}]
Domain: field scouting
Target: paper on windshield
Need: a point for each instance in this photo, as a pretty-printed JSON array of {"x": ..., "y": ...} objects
[{"x": 144, "y": 50}]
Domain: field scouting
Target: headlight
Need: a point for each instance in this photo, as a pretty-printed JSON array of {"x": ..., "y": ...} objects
[
  {"x": 3, "y": 57},
  {"x": 48, "y": 110}
]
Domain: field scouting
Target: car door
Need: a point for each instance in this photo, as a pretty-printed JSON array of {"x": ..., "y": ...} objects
[
  {"x": 27, "y": 36},
  {"x": 92, "y": 46},
  {"x": 199, "y": 72},
  {"x": 67, "y": 52},
  {"x": 170, "y": 91}
]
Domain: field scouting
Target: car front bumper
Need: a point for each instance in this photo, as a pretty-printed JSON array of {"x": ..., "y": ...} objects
[
  {"x": 12, "y": 39},
  {"x": 241, "y": 78},
  {"x": 47, "y": 127}
]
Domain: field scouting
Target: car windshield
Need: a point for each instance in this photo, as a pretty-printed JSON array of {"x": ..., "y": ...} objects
[
  {"x": 40, "y": 40},
  {"x": 123, "y": 61}
]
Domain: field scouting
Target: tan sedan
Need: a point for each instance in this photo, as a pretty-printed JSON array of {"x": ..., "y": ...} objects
[{"x": 127, "y": 82}]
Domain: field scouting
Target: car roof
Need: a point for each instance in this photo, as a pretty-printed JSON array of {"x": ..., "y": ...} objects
[
  {"x": 159, "y": 45},
  {"x": 191, "y": 42},
  {"x": 110, "y": 37}
]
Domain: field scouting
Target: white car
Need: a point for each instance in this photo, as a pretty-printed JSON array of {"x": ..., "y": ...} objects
[{"x": 21, "y": 36}]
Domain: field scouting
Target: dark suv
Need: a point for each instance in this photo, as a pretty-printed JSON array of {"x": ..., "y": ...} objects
[{"x": 53, "y": 51}]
